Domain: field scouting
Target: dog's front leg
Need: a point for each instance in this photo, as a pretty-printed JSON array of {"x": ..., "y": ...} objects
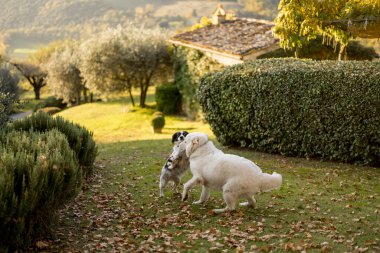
[
  {"x": 204, "y": 195},
  {"x": 188, "y": 185}
]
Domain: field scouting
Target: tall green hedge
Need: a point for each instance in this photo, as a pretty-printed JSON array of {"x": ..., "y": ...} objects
[
  {"x": 307, "y": 108},
  {"x": 189, "y": 66},
  {"x": 38, "y": 174},
  {"x": 79, "y": 138}
]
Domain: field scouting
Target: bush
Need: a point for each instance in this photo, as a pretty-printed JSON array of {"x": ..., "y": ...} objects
[
  {"x": 9, "y": 93},
  {"x": 158, "y": 122},
  {"x": 79, "y": 138},
  {"x": 168, "y": 99},
  {"x": 318, "y": 51},
  {"x": 293, "y": 107},
  {"x": 50, "y": 102},
  {"x": 38, "y": 174}
]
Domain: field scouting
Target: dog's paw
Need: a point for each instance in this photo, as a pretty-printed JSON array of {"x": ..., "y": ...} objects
[
  {"x": 198, "y": 202},
  {"x": 185, "y": 196}
]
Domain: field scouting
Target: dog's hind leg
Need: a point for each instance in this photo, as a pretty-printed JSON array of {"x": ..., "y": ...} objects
[
  {"x": 230, "y": 200},
  {"x": 204, "y": 195},
  {"x": 251, "y": 201},
  {"x": 163, "y": 183},
  {"x": 188, "y": 185},
  {"x": 176, "y": 183}
]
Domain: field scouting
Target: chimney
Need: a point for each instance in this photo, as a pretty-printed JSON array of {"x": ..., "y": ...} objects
[{"x": 219, "y": 15}]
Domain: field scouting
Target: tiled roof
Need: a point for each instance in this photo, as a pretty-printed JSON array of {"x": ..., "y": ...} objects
[{"x": 237, "y": 37}]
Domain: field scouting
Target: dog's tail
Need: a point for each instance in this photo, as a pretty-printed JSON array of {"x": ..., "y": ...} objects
[{"x": 270, "y": 182}]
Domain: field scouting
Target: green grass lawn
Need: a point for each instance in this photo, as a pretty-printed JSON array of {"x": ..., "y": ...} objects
[{"x": 322, "y": 206}]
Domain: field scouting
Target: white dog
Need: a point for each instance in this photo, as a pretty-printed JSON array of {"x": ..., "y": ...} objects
[
  {"x": 236, "y": 176},
  {"x": 176, "y": 165}
]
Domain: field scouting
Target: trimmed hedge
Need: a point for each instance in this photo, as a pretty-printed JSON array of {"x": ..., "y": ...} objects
[
  {"x": 79, "y": 138},
  {"x": 168, "y": 99},
  {"x": 307, "y": 108},
  {"x": 38, "y": 174}
]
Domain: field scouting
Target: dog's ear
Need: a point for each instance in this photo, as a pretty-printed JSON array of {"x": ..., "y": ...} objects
[
  {"x": 192, "y": 146},
  {"x": 185, "y": 133},
  {"x": 174, "y": 137}
]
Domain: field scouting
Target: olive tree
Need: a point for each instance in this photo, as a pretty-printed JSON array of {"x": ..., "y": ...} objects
[
  {"x": 119, "y": 59},
  {"x": 64, "y": 77},
  {"x": 34, "y": 74}
]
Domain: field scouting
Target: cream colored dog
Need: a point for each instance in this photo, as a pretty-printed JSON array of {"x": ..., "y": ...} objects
[{"x": 236, "y": 176}]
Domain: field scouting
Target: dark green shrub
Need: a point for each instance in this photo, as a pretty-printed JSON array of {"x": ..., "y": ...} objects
[
  {"x": 50, "y": 102},
  {"x": 79, "y": 138},
  {"x": 38, "y": 174},
  {"x": 293, "y": 107},
  {"x": 168, "y": 99},
  {"x": 9, "y": 93},
  {"x": 158, "y": 122}
]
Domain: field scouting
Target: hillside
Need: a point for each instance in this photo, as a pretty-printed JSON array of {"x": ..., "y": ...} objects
[{"x": 26, "y": 25}]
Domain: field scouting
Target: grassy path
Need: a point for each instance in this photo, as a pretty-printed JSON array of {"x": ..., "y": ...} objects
[{"x": 322, "y": 206}]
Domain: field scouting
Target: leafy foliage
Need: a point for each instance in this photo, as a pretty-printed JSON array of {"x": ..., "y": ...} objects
[
  {"x": 38, "y": 174},
  {"x": 79, "y": 138},
  {"x": 9, "y": 93},
  {"x": 118, "y": 59},
  {"x": 64, "y": 77},
  {"x": 318, "y": 51},
  {"x": 297, "y": 108},
  {"x": 168, "y": 99},
  {"x": 299, "y": 22},
  {"x": 189, "y": 66}
]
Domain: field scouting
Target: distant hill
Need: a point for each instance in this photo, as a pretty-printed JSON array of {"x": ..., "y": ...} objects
[{"x": 26, "y": 25}]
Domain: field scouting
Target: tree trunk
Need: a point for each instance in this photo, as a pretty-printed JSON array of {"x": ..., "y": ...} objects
[
  {"x": 131, "y": 97},
  {"x": 130, "y": 92},
  {"x": 37, "y": 91},
  {"x": 297, "y": 52},
  {"x": 342, "y": 52},
  {"x": 85, "y": 95},
  {"x": 91, "y": 97},
  {"x": 142, "y": 98}
]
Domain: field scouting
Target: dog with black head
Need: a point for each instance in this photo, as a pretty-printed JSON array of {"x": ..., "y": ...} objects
[{"x": 176, "y": 165}]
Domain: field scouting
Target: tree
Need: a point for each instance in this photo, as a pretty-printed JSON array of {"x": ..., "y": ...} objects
[
  {"x": 337, "y": 21},
  {"x": 119, "y": 59},
  {"x": 9, "y": 93},
  {"x": 64, "y": 77},
  {"x": 34, "y": 74}
]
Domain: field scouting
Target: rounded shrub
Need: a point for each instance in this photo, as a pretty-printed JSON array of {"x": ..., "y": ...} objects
[
  {"x": 158, "y": 122},
  {"x": 38, "y": 174},
  {"x": 168, "y": 99},
  {"x": 79, "y": 138},
  {"x": 307, "y": 108}
]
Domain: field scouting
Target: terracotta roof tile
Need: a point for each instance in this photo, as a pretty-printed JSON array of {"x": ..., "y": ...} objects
[{"x": 238, "y": 36}]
